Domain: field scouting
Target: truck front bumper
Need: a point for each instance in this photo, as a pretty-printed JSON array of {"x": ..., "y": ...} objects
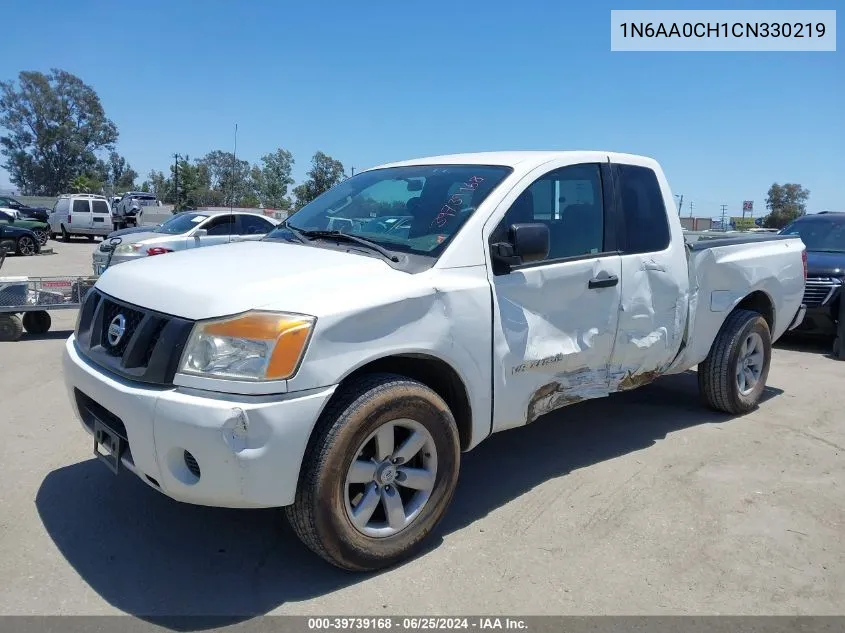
[{"x": 199, "y": 447}]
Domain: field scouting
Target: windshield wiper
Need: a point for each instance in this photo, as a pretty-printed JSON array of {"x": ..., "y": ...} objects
[
  {"x": 296, "y": 232},
  {"x": 351, "y": 238}
]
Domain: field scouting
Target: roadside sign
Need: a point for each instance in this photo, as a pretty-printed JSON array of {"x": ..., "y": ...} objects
[
  {"x": 748, "y": 205},
  {"x": 742, "y": 224}
]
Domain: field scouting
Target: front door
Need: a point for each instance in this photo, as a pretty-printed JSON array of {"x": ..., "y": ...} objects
[
  {"x": 220, "y": 229},
  {"x": 555, "y": 321}
]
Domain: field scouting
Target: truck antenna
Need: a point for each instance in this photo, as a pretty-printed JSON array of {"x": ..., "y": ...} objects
[{"x": 232, "y": 186}]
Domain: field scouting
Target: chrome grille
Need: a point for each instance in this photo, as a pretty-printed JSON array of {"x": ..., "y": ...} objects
[
  {"x": 818, "y": 291},
  {"x": 150, "y": 347}
]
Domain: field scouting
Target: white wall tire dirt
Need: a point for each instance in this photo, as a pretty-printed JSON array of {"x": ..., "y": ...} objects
[
  {"x": 346, "y": 437},
  {"x": 733, "y": 377}
]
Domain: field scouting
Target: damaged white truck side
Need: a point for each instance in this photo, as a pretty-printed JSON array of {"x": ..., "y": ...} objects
[{"x": 340, "y": 366}]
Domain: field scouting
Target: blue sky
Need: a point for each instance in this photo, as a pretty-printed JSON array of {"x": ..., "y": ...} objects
[{"x": 371, "y": 82}]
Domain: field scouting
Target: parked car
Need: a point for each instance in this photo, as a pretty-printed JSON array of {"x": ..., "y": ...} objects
[
  {"x": 80, "y": 214},
  {"x": 23, "y": 210},
  {"x": 41, "y": 229},
  {"x": 127, "y": 208},
  {"x": 19, "y": 240},
  {"x": 186, "y": 230},
  {"x": 341, "y": 375},
  {"x": 824, "y": 236}
]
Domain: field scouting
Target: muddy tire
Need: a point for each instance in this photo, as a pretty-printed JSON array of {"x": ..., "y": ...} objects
[
  {"x": 378, "y": 475},
  {"x": 733, "y": 376},
  {"x": 37, "y": 322},
  {"x": 11, "y": 328}
]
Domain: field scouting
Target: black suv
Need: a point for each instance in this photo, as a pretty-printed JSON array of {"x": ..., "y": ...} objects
[{"x": 824, "y": 236}]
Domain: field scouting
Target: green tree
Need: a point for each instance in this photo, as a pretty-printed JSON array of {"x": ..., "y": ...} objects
[
  {"x": 159, "y": 185},
  {"x": 273, "y": 179},
  {"x": 55, "y": 123},
  {"x": 324, "y": 174},
  {"x": 121, "y": 175},
  {"x": 228, "y": 176},
  {"x": 83, "y": 184},
  {"x": 785, "y": 203}
]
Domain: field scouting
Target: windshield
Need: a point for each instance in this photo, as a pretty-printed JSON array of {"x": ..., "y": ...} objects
[
  {"x": 416, "y": 209},
  {"x": 181, "y": 223},
  {"x": 826, "y": 235}
]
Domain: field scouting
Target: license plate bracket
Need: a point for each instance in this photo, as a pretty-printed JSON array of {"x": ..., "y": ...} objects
[{"x": 110, "y": 442}]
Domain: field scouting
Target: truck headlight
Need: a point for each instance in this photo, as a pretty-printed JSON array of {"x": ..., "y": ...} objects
[{"x": 252, "y": 346}]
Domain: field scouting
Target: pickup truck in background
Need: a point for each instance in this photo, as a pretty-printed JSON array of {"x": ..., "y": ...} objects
[{"x": 340, "y": 366}]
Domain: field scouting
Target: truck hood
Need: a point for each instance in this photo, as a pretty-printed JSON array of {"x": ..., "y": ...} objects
[
  {"x": 822, "y": 264},
  {"x": 216, "y": 281}
]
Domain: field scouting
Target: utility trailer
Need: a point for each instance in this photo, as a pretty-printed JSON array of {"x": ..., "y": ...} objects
[{"x": 26, "y": 302}]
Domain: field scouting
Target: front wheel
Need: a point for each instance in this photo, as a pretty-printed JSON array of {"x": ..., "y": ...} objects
[
  {"x": 378, "y": 475},
  {"x": 26, "y": 246},
  {"x": 11, "y": 328},
  {"x": 733, "y": 376}
]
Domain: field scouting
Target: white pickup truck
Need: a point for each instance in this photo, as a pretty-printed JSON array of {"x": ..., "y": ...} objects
[{"x": 341, "y": 366}]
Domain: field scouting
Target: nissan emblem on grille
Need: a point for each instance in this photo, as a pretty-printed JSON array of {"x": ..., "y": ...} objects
[{"x": 117, "y": 328}]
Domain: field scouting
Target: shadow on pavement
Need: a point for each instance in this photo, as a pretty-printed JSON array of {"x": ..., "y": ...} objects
[
  {"x": 52, "y": 335},
  {"x": 159, "y": 559},
  {"x": 808, "y": 344}
]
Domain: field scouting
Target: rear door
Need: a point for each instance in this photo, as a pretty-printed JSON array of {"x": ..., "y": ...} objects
[
  {"x": 554, "y": 321},
  {"x": 655, "y": 278},
  {"x": 80, "y": 216},
  {"x": 251, "y": 227},
  {"x": 100, "y": 217}
]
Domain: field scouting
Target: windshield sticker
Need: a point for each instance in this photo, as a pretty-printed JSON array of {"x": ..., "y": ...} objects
[
  {"x": 448, "y": 210},
  {"x": 199, "y": 218}
]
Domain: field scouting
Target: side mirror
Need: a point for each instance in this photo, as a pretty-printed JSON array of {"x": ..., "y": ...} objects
[
  {"x": 201, "y": 233},
  {"x": 527, "y": 243}
]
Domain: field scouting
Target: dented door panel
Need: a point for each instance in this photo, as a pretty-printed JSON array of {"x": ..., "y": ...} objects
[{"x": 553, "y": 337}]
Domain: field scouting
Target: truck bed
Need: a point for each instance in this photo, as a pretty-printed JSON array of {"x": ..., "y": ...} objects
[{"x": 764, "y": 272}]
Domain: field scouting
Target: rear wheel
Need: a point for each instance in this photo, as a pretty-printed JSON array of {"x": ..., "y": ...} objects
[
  {"x": 42, "y": 235},
  {"x": 379, "y": 473},
  {"x": 37, "y": 322},
  {"x": 733, "y": 376},
  {"x": 26, "y": 246},
  {"x": 11, "y": 328},
  {"x": 65, "y": 234}
]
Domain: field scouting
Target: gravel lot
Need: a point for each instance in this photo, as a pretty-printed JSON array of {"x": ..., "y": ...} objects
[{"x": 642, "y": 503}]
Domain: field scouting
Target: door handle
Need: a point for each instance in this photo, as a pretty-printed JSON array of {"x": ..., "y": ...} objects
[{"x": 603, "y": 282}]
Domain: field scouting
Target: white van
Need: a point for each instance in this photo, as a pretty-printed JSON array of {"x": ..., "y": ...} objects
[{"x": 80, "y": 214}]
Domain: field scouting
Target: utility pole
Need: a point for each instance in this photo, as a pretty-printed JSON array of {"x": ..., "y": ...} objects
[
  {"x": 690, "y": 207},
  {"x": 724, "y": 213},
  {"x": 176, "y": 182},
  {"x": 680, "y": 203}
]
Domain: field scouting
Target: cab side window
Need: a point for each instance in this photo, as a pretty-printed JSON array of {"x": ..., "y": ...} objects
[
  {"x": 642, "y": 210},
  {"x": 570, "y": 202}
]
